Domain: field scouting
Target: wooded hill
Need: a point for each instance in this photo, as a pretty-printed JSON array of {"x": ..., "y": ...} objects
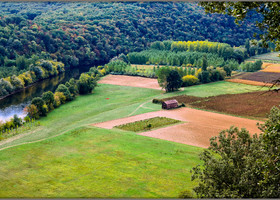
[{"x": 87, "y": 34}]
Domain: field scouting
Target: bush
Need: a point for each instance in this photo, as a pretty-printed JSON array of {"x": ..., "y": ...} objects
[
  {"x": 59, "y": 99},
  {"x": 48, "y": 97},
  {"x": 17, "y": 121},
  {"x": 40, "y": 105},
  {"x": 32, "y": 111},
  {"x": 86, "y": 83},
  {"x": 62, "y": 88},
  {"x": 190, "y": 80},
  {"x": 157, "y": 101}
]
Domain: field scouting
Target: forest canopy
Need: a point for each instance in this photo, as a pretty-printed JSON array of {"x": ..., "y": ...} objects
[{"x": 92, "y": 33}]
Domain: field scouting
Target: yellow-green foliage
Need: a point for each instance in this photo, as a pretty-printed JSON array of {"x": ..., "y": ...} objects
[
  {"x": 189, "y": 80},
  {"x": 59, "y": 98},
  {"x": 201, "y": 46},
  {"x": 198, "y": 72}
]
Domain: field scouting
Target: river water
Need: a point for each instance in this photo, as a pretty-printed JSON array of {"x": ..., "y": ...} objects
[{"x": 15, "y": 104}]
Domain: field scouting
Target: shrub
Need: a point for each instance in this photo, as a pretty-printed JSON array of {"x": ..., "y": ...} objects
[
  {"x": 190, "y": 80},
  {"x": 17, "y": 121},
  {"x": 59, "y": 98},
  {"x": 41, "y": 106},
  {"x": 62, "y": 88},
  {"x": 86, "y": 83},
  {"x": 32, "y": 111},
  {"x": 157, "y": 101},
  {"x": 48, "y": 97}
]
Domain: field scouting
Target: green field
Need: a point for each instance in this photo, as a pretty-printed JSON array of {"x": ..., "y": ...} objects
[
  {"x": 216, "y": 88},
  {"x": 272, "y": 57},
  {"x": 147, "y": 124},
  {"x": 65, "y": 157}
]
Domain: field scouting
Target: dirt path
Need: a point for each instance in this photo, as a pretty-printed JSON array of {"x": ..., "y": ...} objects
[
  {"x": 200, "y": 125},
  {"x": 133, "y": 81}
]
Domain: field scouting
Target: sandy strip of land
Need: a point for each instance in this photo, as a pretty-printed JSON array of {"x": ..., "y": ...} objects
[
  {"x": 200, "y": 125},
  {"x": 249, "y": 82},
  {"x": 271, "y": 67},
  {"x": 133, "y": 81}
]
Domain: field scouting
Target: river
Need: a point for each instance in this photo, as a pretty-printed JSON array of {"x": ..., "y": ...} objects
[{"x": 15, "y": 103}]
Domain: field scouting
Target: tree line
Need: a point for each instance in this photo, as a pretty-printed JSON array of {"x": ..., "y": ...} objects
[
  {"x": 44, "y": 104},
  {"x": 38, "y": 70},
  {"x": 90, "y": 34}
]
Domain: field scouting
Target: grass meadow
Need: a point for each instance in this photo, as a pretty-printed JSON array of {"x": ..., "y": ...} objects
[
  {"x": 65, "y": 157},
  {"x": 147, "y": 124}
]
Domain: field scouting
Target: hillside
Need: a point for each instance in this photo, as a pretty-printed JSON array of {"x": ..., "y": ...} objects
[{"x": 92, "y": 33}]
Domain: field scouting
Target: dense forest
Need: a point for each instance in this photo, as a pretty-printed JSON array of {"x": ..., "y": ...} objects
[{"x": 88, "y": 34}]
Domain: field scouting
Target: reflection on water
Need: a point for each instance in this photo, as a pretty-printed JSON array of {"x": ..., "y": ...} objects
[{"x": 15, "y": 103}]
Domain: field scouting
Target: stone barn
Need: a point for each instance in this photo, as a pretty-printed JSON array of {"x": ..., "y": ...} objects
[{"x": 170, "y": 104}]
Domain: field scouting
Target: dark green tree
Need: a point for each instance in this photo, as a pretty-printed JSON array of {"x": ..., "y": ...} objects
[
  {"x": 270, "y": 11},
  {"x": 174, "y": 81},
  {"x": 48, "y": 97},
  {"x": 41, "y": 106},
  {"x": 237, "y": 165},
  {"x": 86, "y": 83}
]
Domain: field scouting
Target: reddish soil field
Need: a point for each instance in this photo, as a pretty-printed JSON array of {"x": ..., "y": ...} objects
[
  {"x": 260, "y": 76},
  {"x": 133, "y": 81},
  {"x": 253, "y": 104},
  {"x": 271, "y": 67},
  {"x": 248, "y": 82},
  {"x": 200, "y": 125}
]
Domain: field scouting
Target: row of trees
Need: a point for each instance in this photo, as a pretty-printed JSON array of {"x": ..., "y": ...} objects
[
  {"x": 194, "y": 59},
  {"x": 40, "y": 106},
  {"x": 246, "y": 50},
  {"x": 41, "y": 69},
  {"x": 64, "y": 93},
  {"x": 251, "y": 66}
]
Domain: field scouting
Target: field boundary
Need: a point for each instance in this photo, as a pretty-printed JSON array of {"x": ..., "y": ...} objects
[{"x": 249, "y": 82}]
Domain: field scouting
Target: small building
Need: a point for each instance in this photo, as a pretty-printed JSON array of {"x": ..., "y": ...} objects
[{"x": 169, "y": 104}]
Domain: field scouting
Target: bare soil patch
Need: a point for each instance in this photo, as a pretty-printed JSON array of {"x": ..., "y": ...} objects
[
  {"x": 133, "y": 81},
  {"x": 260, "y": 76},
  {"x": 248, "y": 82},
  {"x": 271, "y": 67},
  {"x": 253, "y": 104},
  {"x": 200, "y": 125}
]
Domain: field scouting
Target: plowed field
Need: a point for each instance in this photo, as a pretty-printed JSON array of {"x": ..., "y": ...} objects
[
  {"x": 253, "y": 104},
  {"x": 133, "y": 81},
  {"x": 260, "y": 76},
  {"x": 200, "y": 125},
  {"x": 271, "y": 67}
]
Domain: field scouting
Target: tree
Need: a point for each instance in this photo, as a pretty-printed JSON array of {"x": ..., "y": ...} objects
[
  {"x": 162, "y": 74},
  {"x": 86, "y": 83},
  {"x": 237, "y": 165},
  {"x": 48, "y": 97},
  {"x": 204, "y": 63},
  {"x": 62, "y": 88},
  {"x": 40, "y": 105},
  {"x": 270, "y": 11},
  {"x": 174, "y": 81}
]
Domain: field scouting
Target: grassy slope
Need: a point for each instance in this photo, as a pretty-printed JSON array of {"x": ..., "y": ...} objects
[
  {"x": 95, "y": 162},
  {"x": 269, "y": 57},
  {"x": 217, "y": 88}
]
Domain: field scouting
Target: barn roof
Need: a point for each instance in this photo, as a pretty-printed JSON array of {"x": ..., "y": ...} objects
[{"x": 171, "y": 101}]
